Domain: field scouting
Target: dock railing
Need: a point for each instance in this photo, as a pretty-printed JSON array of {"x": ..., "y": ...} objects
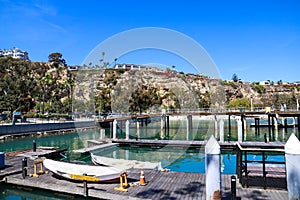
[{"x": 242, "y": 161}]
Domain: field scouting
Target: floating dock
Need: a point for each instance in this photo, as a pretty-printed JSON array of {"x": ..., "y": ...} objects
[
  {"x": 186, "y": 144},
  {"x": 161, "y": 184}
]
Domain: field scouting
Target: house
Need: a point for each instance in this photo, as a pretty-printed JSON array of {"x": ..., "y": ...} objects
[
  {"x": 264, "y": 83},
  {"x": 131, "y": 67},
  {"x": 14, "y": 53}
]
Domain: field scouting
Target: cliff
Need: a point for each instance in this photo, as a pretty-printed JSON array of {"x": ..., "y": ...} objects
[{"x": 151, "y": 90}]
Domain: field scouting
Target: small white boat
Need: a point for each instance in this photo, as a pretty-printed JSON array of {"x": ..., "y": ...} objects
[
  {"x": 82, "y": 172},
  {"x": 123, "y": 164}
]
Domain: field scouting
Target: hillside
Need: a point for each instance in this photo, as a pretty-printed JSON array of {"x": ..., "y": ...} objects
[{"x": 138, "y": 91}]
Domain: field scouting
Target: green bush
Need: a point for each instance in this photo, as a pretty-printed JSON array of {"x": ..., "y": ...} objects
[{"x": 239, "y": 103}]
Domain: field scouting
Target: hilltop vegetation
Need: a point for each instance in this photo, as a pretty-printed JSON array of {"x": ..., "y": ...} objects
[
  {"x": 26, "y": 86},
  {"x": 51, "y": 88}
]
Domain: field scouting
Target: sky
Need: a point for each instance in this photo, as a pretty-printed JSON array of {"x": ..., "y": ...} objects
[{"x": 254, "y": 39}]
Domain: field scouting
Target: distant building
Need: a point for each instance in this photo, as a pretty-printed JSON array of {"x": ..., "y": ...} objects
[
  {"x": 264, "y": 83},
  {"x": 14, "y": 53},
  {"x": 73, "y": 68},
  {"x": 132, "y": 67}
]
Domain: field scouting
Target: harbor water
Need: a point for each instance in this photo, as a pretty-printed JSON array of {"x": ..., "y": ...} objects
[{"x": 184, "y": 160}]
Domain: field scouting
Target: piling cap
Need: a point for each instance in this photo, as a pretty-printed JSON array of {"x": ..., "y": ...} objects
[
  {"x": 292, "y": 146},
  {"x": 212, "y": 146}
]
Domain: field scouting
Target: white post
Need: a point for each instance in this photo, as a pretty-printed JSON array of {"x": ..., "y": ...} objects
[
  {"x": 102, "y": 133},
  {"x": 115, "y": 123},
  {"x": 127, "y": 129},
  {"x": 294, "y": 122},
  {"x": 189, "y": 127},
  {"x": 292, "y": 162},
  {"x": 240, "y": 130},
  {"x": 245, "y": 126},
  {"x": 216, "y": 126},
  {"x": 221, "y": 130},
  {"x": 213, "y": 169},
  {"x": 162, "y": 127},
  {"x": 297, "y": 104},
  {"x": 126, "y": 154},
  {"x": 138, "y": 129},
  {"x": 275, "y": 124}
]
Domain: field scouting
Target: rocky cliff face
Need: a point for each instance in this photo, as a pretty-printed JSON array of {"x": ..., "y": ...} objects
[{"x": 152, "y": 90}]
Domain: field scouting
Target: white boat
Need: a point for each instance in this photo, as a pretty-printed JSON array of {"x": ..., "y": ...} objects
[
  {"x": 82, "y": 172},
  {"x": 123, "y": 164}
]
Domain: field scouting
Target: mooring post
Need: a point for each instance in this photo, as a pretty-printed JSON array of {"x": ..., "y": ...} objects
[
  {"x": 24, "y": 167},
  {"x": 102, "y": 133},
  {"x": 85, "y": 187},
  {"x": 213, "y": 169},
  {"x": 229, "y": 129},
  {"x": 286, "y": 124},
  {"x": 276, "y": 129},
  {"x": 233, "y": 187},
  {"x": 294, "y": 123},
  {"x": 216, "y": 126},
  {"x": 111, "y": 130},
  {"x": 162, "y": 126},
  {"x": 243, "y": 119},
  {"x": 127, "y": 129},
  {"x": 221, "y": 130},
  {"x": 298, "y": 124},
  {"x": 137, "y": 129},
  {"x": 34, "y": 146},
  {"x": 240, "y": 130},
  {"x": 168, "y": 126},
  {"x": 2, "y": 160},
  {"x": 115, "y": 126},
  {"x": 269, "y": 124},
  {"x": 189, "y": 127},
  {"x": 292, "y": 163}
]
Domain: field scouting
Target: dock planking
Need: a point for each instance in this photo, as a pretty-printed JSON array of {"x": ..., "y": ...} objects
[
  {"x": 161, "y": 185},
  {"x": 187, "y": 144}
]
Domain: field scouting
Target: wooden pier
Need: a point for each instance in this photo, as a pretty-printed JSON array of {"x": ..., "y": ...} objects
[{"x": 161, "y": 184}]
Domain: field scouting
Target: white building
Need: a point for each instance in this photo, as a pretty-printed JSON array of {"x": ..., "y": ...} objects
[
  {"x": 132, "y": 67},
  {"x": 264, "y": 83},
  {"x": 14, "y": 53}
]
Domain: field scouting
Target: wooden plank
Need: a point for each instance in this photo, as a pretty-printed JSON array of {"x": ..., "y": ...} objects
[{"x": 169, "y": 185}]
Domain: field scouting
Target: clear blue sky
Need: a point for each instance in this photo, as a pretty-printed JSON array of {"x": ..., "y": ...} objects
[{"x": 257, "y": 40}]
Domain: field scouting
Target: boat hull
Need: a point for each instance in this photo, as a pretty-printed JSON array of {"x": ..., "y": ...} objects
[{"x": 80, "y": 172}]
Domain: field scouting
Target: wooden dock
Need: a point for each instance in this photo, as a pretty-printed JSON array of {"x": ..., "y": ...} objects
[
  {"x": 186, "y": 144},
  {"x": 161, "y": 185}
]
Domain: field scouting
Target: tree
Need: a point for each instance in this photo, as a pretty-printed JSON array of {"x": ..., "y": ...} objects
[
  {"x": 235, "y": 78},
  {"x": 45, "y": 82},
  {"x": 239, "y": 103},
  {"x": 56, "y": 59},
  {"x": 17, "y": 87}
]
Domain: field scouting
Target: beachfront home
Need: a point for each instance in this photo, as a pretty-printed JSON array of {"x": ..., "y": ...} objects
[{"x": 14, "y": 53}]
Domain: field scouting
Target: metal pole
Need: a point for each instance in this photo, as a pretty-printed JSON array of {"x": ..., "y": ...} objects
[
  {"x": 243, "y": 127},
  {"x": 24, "y": 167},
  {"x": 229, "y": 129},
  {"x": 246, "y": 169},
  {"x": 85, "y": 187},
  {"x": 264, "y": 169},
  {"x": 233, "y": 187},
  {"x": 34, "y": 146}
]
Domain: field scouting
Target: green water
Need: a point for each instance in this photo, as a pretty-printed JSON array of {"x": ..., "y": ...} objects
[{"x": 202, "y": 129}]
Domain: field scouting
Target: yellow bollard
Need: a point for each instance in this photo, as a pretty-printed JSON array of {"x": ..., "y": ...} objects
[
  {"x": 35, "y": 172},
  {"x": 123, "y": 183}
]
